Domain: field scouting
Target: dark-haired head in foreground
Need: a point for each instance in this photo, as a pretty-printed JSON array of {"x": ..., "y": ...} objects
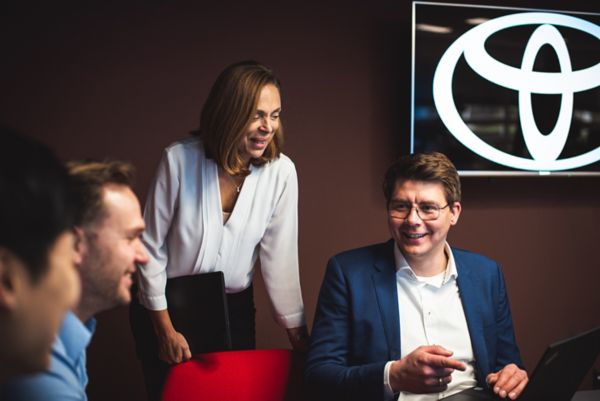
[{"x": 38, "y": 281}]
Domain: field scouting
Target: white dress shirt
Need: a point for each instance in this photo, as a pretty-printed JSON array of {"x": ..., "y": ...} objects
[
  {"x": 431, "y": 313},
  {"x": 185, "y": 233}
]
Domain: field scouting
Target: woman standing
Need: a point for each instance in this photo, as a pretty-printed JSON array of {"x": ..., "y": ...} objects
[{"x": 221, "y": 200}]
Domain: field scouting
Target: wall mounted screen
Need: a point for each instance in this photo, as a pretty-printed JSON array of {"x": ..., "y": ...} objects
[{"x": 505, "y": 91}]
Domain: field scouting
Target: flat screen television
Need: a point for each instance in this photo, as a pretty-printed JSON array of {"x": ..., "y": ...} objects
[{"x": 507, "y": 91}]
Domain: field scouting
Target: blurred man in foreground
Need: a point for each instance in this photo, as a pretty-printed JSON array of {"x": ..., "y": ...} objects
[
  {"x": 108, "y": 242},
  {"x": 38, "y": 281}
]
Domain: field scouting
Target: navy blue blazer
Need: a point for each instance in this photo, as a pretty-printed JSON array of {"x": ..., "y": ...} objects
[{"x": 356, "y": 330}]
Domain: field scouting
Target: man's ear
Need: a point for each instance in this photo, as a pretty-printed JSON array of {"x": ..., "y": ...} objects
[
  {"x": 10, "y": 271},
  {"x": 455, "y": 210},
  {"x": 81, "y": 246}
]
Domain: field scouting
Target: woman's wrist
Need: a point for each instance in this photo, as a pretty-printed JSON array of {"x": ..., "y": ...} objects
[
  {"x": 298, "y": 337},
  {"x": 161, "y": 322}
]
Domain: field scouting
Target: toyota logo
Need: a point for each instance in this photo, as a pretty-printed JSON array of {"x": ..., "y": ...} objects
[{"x": 544, "y": 149}]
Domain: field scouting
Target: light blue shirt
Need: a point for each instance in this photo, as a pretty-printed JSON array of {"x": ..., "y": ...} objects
[{"x": 66, "y": 378}]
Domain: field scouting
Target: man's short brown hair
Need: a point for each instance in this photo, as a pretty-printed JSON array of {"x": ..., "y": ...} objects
[
  {"x": 429, "y": 167},
  {"x": 90, "y": 177}
]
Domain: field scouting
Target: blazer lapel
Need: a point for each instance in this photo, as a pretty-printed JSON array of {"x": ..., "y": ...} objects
[
  {"x": 469, "y": 295},
  {"x": 384, "y": 282}
]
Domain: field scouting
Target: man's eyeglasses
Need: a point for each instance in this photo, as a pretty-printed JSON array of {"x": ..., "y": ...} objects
[{"x": 425, "y": 211}]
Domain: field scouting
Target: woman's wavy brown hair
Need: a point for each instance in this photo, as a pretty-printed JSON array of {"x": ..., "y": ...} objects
[{"x": 228, "y": 110}]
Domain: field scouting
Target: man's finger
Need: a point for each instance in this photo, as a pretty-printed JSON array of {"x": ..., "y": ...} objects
[
  {"x": 504, "y": 376},
  {"x": 442, "y": 372},
  {"x": 437, "y": 350},
  {"x": 510, "y": 381},
  {"x": 491, "y": 379},
  {"x": 440, "y": 361},
  {"x": 519, "y": 389}
]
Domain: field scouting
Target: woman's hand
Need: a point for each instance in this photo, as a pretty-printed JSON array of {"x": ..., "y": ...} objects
[
  {"x": 299, "y": 338},
  {"x": 172, "y": 345}
]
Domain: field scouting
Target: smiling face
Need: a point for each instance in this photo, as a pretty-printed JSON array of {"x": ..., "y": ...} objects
[
  {"x": 422, "y": 242},
  {"x": 263, "y": 124},
  {"x": 113, "y": 250}
]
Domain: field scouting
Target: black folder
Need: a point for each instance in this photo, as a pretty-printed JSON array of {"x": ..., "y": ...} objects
[{"x": 198, "y": 309}]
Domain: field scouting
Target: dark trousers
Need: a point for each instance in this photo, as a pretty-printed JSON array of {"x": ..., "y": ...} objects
[{"x": 242, "y": 325}]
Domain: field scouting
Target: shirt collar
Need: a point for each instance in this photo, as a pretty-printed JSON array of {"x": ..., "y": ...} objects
[
  {"x": 75, "y": 335},
  {"x": 402, "y": 265}
]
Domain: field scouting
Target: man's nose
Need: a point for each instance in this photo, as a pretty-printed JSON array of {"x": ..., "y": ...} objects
[
  {"x": 141, "y": 255},
  {"x": 413, "y": 216}
]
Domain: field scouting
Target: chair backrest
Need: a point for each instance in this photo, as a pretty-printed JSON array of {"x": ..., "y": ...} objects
[{"x": 252, "y": 375}]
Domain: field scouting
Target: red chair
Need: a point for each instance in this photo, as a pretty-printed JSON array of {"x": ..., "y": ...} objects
[{"x": 253, "y": 375}]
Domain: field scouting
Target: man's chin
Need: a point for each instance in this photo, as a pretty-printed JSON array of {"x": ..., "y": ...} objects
[
  {"x": 125, "y": 300},
  {"x": 124, "y": 296},
  {"x": 411, "y": 250}
]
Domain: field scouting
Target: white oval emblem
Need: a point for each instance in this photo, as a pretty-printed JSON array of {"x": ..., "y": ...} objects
[{"x": 544, "y": 149}]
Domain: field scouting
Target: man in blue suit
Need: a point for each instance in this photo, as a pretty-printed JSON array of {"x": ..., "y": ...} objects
[{"x": 413, "y": 319}]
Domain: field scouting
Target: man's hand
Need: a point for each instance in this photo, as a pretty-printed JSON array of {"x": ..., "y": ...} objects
[
  {"x": 428, "y": 369},
  {"x": 509, "y": 381}
]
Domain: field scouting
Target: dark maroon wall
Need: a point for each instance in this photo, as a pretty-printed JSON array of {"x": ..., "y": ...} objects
[{"x": 123, "y": 79}]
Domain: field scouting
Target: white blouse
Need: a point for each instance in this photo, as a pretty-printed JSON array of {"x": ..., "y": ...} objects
[{"x": 185, "y": 233}]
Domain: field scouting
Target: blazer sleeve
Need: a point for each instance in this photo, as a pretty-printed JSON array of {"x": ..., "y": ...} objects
[
  {"x": 330, "y": 373},
  {"x": 158, "y": 215},
  {"x": 279, "y": 256}
]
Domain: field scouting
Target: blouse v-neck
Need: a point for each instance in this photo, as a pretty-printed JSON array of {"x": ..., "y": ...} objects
[{"x": 241, "y": 205}]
